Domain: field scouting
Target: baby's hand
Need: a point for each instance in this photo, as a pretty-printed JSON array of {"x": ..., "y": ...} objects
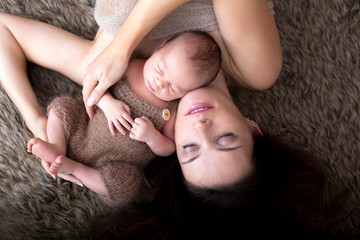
[
  {"x": 142, "y": 129},
  {"x": 118, "y": 115}
]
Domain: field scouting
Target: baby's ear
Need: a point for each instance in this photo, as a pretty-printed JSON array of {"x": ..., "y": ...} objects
[
  {"x": 163, "y": 43},
  {"x": 254, "y": 127}
]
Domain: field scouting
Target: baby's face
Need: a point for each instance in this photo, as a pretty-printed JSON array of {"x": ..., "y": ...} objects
[{"x": 169, "y": 74}]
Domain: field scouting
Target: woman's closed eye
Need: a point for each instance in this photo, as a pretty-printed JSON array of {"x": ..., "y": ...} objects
[
  {"x": 226, "y": 139},
  {"x": 190, "y": 149}
]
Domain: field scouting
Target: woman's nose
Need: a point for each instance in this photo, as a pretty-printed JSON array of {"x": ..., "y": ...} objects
[{"x": 203, "y": 123}]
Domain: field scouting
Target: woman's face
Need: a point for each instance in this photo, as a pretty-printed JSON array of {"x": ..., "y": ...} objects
[{"x": 213, "y": 140}]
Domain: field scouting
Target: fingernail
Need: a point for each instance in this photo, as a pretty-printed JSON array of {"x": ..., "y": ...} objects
[
  {"x": 53, "y": 176},
  {"x": 91, "y": 101}
]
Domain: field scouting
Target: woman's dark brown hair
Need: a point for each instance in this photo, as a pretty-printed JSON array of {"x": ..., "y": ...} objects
[{"x": 286, "y": 196}]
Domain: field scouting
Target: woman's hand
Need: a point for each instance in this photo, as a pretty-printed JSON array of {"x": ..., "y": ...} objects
[{"x": 107, "y": 68}]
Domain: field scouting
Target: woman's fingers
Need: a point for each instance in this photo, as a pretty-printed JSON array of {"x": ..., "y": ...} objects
[{"x": 88, "y": 86}]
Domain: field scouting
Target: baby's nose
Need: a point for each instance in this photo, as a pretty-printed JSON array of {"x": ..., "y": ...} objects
[{"x": 159, "y": 83}]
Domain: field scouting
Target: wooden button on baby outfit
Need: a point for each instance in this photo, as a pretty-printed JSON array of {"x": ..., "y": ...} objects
[{"x": 166, "y": 114}]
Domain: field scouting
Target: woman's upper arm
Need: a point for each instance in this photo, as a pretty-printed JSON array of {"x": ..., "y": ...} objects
[{"x": 250, "y": 42}]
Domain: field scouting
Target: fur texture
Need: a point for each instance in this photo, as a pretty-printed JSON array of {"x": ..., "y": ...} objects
[{"x": 313, "y": 106}]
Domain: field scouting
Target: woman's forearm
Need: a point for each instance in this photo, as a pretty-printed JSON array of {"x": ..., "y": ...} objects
[{"x": 143, "y": 18}]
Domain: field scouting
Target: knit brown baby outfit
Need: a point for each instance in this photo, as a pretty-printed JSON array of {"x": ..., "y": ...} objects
[{"x": 119, "y": 158}]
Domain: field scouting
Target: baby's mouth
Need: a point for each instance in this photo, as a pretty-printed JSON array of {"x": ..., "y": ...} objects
[{"x": 149, "y": 86}]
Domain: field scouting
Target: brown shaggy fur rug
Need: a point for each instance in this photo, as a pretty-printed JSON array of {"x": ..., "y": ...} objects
[{"x": 314, "y": 106}]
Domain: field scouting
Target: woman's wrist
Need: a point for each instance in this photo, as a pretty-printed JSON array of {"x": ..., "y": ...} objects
[{"x": 122, "y": 48}]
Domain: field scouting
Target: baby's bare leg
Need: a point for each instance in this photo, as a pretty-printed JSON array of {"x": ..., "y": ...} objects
[
  {"x": 48, "y": 151},
  {"x": 64, "y": 166},
  {"x": 85, "y": 175}
]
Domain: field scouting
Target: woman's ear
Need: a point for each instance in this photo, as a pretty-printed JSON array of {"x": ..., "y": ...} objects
[{"x": 254, "y": 127}]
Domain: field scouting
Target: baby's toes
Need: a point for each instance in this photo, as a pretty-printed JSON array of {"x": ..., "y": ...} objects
[
  {"x": 54, "y": 168},
  {"x": 31, "y": 143}
]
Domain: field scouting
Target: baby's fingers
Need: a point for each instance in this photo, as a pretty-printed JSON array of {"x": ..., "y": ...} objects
[
  {"x": 119, "y": 126},
  {"x": 132, "y": 135},
  {"x": 134, "y": 132},
  {"x": 145, "y": 118},
  {"x": 111, "y": 127},
  {"x": 125, "y": 123},
  {"x": 128, "y": 118},
  {"x": 139, "y": 120}
]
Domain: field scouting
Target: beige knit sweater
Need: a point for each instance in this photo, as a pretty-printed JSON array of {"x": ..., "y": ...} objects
[
  {"x": 195, "y": 15},
  {"x": 119, "y": 158}
]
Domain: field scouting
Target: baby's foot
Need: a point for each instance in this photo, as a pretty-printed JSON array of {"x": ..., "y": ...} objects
[
  {"x": 43, "y": 150},
  {"x": 63, "y": 165}
]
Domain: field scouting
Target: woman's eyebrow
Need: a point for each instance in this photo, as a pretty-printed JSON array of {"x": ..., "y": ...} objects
[
  {"x": 220, "y": 149},
  {"x": 191, "y": 159},
  {"x": 229, "y": 149}
]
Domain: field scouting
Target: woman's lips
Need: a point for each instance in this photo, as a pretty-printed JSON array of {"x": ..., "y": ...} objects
[{"x": 198, "y": 108}]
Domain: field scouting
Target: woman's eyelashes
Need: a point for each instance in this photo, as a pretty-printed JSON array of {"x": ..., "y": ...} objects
[
  {"x": 226, "y": 139},
  {"x": 222, "y": 140},
  {"x": 190, "y": 149}
]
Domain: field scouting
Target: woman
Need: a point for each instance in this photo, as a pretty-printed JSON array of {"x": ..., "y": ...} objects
[
  {"x": 244, "y": 30},
  {"x": 228, "y": 181}
]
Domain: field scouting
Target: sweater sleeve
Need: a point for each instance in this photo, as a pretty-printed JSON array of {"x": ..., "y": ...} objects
[{"x": 122, "y": 181}]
